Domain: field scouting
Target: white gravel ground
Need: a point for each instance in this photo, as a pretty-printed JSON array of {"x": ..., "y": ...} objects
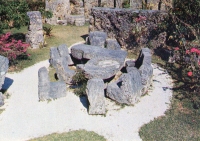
[{"x": 25, "y": 117}]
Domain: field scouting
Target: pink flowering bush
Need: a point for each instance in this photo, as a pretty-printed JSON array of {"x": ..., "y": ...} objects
[
  {"x": 12, "y": 48},
  {"x": 187, "y": 60}
]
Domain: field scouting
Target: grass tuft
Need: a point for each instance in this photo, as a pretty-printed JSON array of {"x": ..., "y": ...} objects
[{"x": 79, "y": 135}]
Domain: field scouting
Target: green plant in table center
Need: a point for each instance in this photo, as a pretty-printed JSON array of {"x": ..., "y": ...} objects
[{"x": 80, "y": 81}]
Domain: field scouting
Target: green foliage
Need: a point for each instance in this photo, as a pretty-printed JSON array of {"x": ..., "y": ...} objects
[
  {"x": 80, "y": 90},
  {"x": 48, "y": 30},
  {"x": 59, "y": 36},
  {"x": 184, "y": 20},
  {"x": 79, "y": 135},
  {"x": 81, "y": 82},
  {"x": 181, "y": 123},
  {"x": 39, "y": 5},
  {"x": 13, "y": 13},
  {"x": 183, "y": 36},
  {"x": 126, "y": 4}
]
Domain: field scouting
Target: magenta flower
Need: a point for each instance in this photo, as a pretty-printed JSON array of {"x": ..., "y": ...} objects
[
  {"x": 193, "y": 50},
  {"x": 187, "y": 51},
  {"x": 176, "y": 48},
  {"x": 189, "y": 73}
]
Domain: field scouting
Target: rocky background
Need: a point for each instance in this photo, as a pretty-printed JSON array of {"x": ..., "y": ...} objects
[
  {"x": 131, "y": 28},
  {"x": 62, "y": 9}
]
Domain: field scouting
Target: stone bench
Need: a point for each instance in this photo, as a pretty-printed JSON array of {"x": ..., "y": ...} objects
[
  {"x": 59, "y": 53},
  {"x": 47, "y": 89}
]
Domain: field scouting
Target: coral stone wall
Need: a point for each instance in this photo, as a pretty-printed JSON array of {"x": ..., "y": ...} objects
[
  {"x": 59, "y": 8},
  {"x": 131, "y": 28}
]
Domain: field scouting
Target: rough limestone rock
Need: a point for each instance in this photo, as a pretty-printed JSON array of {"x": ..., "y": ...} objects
[
  {"x": 47, "y": 89},
  {"x": 127, "y": 89},
  {"x": 60, "y": 10},
  {"x": 64, "y": 53},
  {"x": 4, "y": 62},
  {"x": 35, "y": 34},
  {"x": 54, "y": 56},
  {"x": 76, "y": 7},
  {"x": 112, "y": 44},
  {"x": 129, "y": 69},
  {"x": 122, "y": 25},
  {"x": 43, "y": 84},
  {"x": 136, "y": 4},
  {"x": 82, "y": 51},
  {"x": 103, "y": 68},
  {"x": 62, "y": 22},
  {"x": 57, "y": 89},
  {"x": 1, "y": 100},
  {"x": 130, "y": 63},
  {"x": 104, "y": 63},
  {"x": 95, "y": 94},
  {"x": 78, "y": 20},
  {"x": 143, "y": 63},
  {"x": 63, "y": 72},
  {"x": 59, "y": 53},
  {"x": 97, "y": 38}
]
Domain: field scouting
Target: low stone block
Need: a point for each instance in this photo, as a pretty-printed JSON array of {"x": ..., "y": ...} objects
[
  {"x": 78, "y": 20},
  {"x": 57, "y": 89},
  {"x": 43, "y": 84},
  {"x": 1, "y": 100},
  {"x": 47, "y": 89},
  {"x": 54, "y": 56},
  {"x": 127, "y": 89},
  {"x": 4, "y": 64},
  {"x": 97, "y": 41},
  {"x": 97, "y": 38},
  {"x": 62, "y": 22},
  {"x": 64, "y": 53},
  {"x": 115, "y": 93},
  {"x": 112, "y": 44},
  {"x": 143, "y": 63},
  {"x": 95, "y": 93},
  {"x": 129, "y": 69},
  {"x": 130, "y": 63},
  {"x": 63, "y": 71}
]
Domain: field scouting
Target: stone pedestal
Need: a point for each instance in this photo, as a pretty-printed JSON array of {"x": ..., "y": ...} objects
[{"x": 35, "y": 34}]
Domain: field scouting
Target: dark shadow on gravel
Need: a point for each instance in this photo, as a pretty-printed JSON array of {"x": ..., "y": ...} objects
[{"x": 7, "y": 83}]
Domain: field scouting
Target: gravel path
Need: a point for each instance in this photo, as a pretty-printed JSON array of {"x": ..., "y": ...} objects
[{"x": 25, "y": 117}]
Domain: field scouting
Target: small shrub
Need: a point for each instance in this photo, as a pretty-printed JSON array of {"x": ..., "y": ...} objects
[
  {"x": 13, "y": 13},
  {"x": 13, "y": 49},
  {"x": 48, "y": 30},
  {"x": 187, "y": 61},
  {"x": 80, "y": 82},
  {"x": 126, "y": 4}
]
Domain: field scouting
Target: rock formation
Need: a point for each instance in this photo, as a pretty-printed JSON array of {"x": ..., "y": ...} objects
[
  {"x": 4, "y": 62},
  {"x": 47, "y": 89},
  {"x": 131, "y": 28},
  {"x": 35, "y": 30},
  {"x": 95, "y": 94}
]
